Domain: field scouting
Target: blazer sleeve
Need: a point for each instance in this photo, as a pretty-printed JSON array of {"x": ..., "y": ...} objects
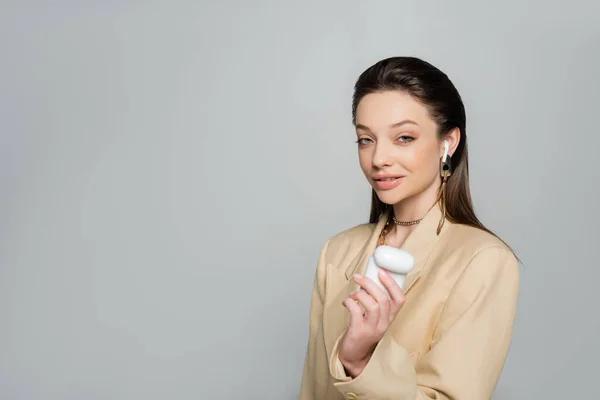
[
  {"x": 469, "y": 346},
  {"x": 315, "y": 370}
]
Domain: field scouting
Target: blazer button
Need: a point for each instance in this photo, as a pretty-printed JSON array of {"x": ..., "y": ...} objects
[{"x": 351, "y": 396}]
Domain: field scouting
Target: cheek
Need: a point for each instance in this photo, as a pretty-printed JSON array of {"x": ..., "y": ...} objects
[
  {"x": 364, "y": 158},
  {"x": 425, "y": 163}
]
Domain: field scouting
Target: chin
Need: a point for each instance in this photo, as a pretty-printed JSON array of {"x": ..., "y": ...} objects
[{"x": 390, "y": 197}]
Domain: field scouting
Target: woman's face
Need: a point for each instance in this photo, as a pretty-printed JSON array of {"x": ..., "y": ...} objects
[{"x": 398, "y": 147}]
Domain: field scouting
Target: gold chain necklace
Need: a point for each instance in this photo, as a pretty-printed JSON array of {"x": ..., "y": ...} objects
[
  {"x": 406, "y": 223},
  {"x": 387, "y": 228}
]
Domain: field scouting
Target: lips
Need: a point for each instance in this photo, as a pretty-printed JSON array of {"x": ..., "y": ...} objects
[{"x": 388, "y": 182}]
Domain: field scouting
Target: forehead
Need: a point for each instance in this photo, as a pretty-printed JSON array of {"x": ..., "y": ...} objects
[{"x": 381, "y": 109}]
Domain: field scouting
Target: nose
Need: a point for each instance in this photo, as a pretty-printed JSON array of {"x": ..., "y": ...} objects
[{"x": 382, "y": 155}]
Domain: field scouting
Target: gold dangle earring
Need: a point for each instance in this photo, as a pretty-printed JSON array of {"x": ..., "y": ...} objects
[{"x": 445, "y": 172}]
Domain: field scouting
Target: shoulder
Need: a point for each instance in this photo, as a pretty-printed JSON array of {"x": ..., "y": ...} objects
[
  {"x": 346, "y": 244},
  {"x": 480, "y": 252},
  {"x": 356, "y": 234},
  {"x": 470, "y": 240}
]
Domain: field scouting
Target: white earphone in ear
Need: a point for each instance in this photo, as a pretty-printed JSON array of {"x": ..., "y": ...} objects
[{"x": 446, "y": 148}]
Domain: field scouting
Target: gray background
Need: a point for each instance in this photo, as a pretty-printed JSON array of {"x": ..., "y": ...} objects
[{"x": 169, "y": 172}]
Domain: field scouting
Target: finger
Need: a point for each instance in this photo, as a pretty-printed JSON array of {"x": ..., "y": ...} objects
[
  {"x": 354, "y": 310},
  {"x": 371, "y": 306},
  {"x": 396, "y": 293},
  {"x": 353, "y": 297},
  {"x": 377, "y": 293}
]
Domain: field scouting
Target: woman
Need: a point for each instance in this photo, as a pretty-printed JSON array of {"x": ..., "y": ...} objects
[{"x": 445, "y": 334}]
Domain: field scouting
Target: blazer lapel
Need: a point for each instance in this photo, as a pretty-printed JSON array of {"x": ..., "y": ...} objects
[
  {"x": 419, "y": 243},
  {"x": 359, "y": 264}
]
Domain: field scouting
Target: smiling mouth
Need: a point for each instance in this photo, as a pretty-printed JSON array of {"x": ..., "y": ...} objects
[
  {"x": 387, "y": 178},
  {"x": 388, "y": 183}
]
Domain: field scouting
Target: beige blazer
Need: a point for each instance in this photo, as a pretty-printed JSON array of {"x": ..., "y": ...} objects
[{"x": 450, "y": 339}]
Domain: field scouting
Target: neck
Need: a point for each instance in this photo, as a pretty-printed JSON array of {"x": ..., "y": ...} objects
[{"x": 417, "y": 206}]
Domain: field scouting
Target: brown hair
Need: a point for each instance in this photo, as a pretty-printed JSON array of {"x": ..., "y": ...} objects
[{"x": 434, "y": 89}]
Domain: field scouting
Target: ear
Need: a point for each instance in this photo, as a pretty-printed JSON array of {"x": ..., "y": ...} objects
[{"x": 453, "y": 138}]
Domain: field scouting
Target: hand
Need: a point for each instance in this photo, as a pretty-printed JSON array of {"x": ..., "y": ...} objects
[{"x": 366, "y": 330}]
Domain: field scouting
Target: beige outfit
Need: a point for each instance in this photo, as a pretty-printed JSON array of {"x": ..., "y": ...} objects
[{"x": 450, "y": 339}]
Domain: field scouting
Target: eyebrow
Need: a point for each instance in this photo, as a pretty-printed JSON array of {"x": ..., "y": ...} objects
[{"x": 395, "y": 125}]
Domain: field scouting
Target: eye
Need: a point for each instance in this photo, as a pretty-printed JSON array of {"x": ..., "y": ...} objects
[
  {"x": 363, "y": 141},
  {"x": 405, "y": 139}
]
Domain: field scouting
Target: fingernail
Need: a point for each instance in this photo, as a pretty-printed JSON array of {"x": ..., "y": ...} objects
[{"x": 358, "y": 276}]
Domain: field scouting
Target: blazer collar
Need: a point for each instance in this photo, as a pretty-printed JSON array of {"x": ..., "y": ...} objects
[{"x": 419, "y": 243}]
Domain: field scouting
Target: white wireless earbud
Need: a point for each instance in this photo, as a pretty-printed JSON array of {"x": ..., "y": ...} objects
[
  {"x": 396, "y": 261},
  {"x": 446, "y": 148}
]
